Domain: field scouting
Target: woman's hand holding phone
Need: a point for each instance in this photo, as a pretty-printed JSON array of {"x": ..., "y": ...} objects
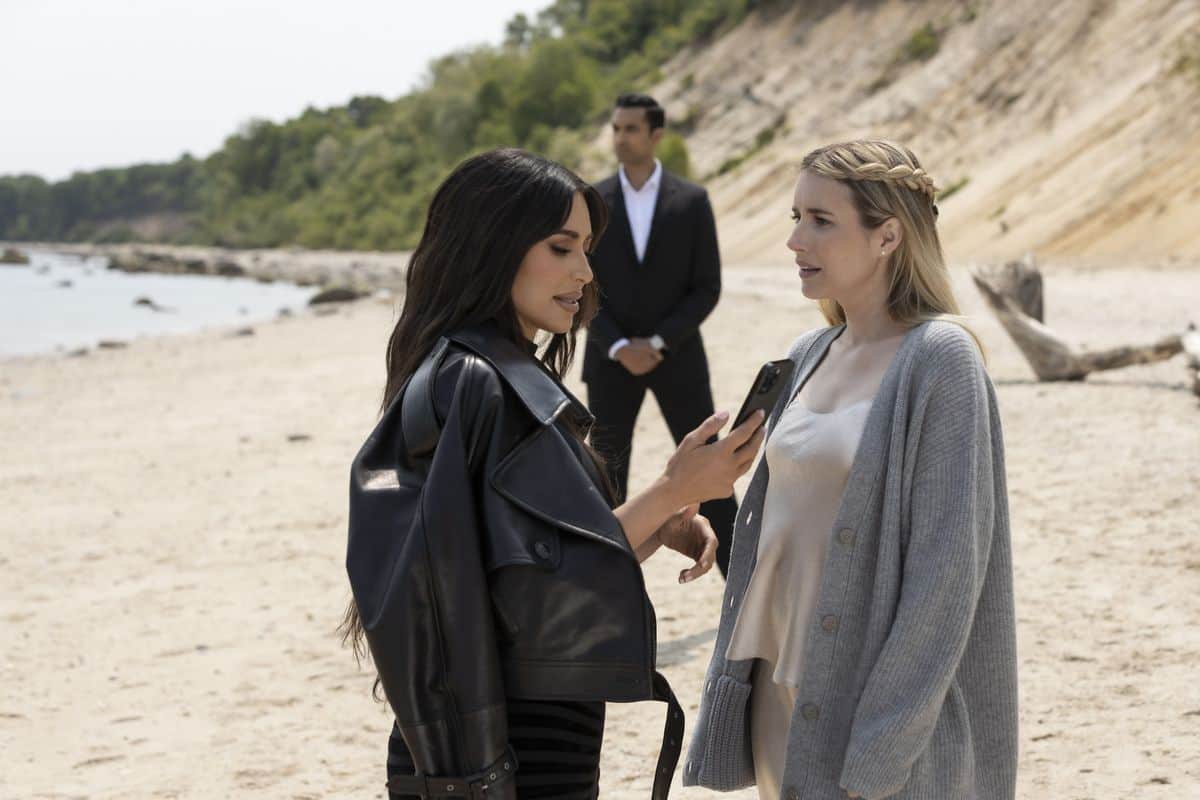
[{"x": 702, "y": 469}]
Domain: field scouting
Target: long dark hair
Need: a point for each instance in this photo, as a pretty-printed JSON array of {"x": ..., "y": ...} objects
[{"x": 482, "y": 221}]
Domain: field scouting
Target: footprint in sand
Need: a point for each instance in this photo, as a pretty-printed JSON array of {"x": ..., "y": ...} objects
[{"x": 92, "y": 762}]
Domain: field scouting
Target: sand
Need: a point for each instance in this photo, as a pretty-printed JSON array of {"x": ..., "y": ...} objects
[{"x": 173, "y": 527}]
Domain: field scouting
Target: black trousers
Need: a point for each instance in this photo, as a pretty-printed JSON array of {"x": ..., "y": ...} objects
[{"x": 681, "y": 386}]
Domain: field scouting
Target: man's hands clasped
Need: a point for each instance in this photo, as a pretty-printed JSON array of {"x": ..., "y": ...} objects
[{"x": 639, "y": 357}]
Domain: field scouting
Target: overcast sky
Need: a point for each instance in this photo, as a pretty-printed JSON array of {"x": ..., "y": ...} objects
[{"x": 99, "y": 83}]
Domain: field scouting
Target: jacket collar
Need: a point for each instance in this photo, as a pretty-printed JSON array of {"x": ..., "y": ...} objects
[
  {"x": 652, "y": 183},
  {"x": 614, "y": 197},
  {"x": 532, "y": 382}
]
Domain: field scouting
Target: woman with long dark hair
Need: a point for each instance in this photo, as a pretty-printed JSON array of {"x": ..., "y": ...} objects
[{"x": 498, "y": 590}]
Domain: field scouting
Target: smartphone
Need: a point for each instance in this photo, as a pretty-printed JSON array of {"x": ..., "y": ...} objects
[{"x": 772, "y": 379}]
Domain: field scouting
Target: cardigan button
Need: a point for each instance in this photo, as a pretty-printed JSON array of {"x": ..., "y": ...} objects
[
  {"x": 810, "y": 711},
  {"x": 543, "y": 550},
  {"x": 829, "y": 623},
  {"x": 846, "y": 537},
  {"x": 792, "y": 794}
]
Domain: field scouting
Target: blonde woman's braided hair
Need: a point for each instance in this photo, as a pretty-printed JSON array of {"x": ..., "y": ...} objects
[
  {"x": 886, "y": 181},
  {"x": 910, "y": 177}
]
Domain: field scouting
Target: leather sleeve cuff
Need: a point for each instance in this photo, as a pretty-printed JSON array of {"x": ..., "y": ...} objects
[{"x": 487, "y": 783}]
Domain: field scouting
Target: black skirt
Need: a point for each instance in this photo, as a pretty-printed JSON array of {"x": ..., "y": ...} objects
[{"x": 557, "y": 746}]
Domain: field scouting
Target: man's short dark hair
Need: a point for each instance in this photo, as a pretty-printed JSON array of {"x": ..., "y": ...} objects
[{"x": 655, "y": 114}]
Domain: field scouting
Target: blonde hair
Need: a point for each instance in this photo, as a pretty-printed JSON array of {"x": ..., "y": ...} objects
[{"x": 887, "y": 181}]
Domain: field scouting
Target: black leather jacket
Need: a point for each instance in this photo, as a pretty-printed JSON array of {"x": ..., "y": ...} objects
[{"x": 493, "y": 566}]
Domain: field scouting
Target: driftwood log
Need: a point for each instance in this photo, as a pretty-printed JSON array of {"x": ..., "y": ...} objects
[
  {"x": 1191, "y": 347},
  {"x": 1014, "y": 292},
  {"x": 1021, "y": 281}
]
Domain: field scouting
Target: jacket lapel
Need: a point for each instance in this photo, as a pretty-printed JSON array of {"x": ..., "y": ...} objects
[
  {"x": 666, "y": 188},
  {"x": 618, "y": 221},
  {"x": 543, "y": 476}
]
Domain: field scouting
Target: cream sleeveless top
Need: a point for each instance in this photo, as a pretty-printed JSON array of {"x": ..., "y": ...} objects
[{"x": 809, "y": 456}]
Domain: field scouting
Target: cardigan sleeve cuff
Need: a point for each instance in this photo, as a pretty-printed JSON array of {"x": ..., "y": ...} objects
[{"x": 871, "y": 778}]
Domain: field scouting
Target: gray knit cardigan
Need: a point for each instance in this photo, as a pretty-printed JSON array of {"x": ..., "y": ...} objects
[{"x": 910, "y": 688}]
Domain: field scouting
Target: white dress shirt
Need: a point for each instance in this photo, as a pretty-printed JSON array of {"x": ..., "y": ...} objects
[{"x": 639, "y": 208}]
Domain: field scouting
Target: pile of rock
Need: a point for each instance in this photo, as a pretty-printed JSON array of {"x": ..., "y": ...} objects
[
  {"x": 340, "y": 275},
  {"x": 365, "y": 272},
  {"x": 11, "y": 255},
  {"x": 167, "y": 262}
]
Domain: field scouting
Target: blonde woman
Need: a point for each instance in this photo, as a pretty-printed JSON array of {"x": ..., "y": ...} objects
[{"x": 867, "y": 640}]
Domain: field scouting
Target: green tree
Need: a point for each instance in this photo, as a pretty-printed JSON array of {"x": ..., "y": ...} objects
[
  {"x": 673, "y": 153},
  {"x": 361, "y": 174}
]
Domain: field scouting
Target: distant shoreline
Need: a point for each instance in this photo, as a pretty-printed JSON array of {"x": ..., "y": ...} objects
[
  {"x": 60, "y": 304},
  {"x": 362, "y": 271}
]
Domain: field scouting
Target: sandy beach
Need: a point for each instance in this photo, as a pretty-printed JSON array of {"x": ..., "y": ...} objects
[{"x": 173, "y": 527}]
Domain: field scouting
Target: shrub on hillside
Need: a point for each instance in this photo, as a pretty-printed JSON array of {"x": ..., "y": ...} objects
[
  {"x": 922, "y": 45},
  {"x": 673, "y": 153}
]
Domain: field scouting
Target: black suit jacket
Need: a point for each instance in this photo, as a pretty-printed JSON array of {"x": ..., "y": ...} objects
[{"x": 676, "y": 286}]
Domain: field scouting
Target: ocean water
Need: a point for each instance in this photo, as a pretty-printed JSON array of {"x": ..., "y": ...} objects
[{"x": 60, "y": 303}]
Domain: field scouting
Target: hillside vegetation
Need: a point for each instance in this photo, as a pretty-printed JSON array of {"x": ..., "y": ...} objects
[
  {"x": 1071, "y": 129},
  {"x": 359, "y": 176}
]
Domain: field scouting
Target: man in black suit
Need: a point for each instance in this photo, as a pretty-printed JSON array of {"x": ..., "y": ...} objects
[{"x": 659, "y": 275}]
